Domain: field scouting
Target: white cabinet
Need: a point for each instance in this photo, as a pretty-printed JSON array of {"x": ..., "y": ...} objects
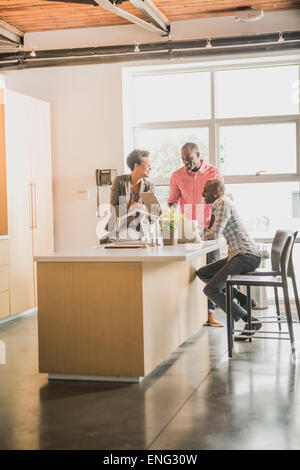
[
  {"x": 29, "y": 193},
  {"x": 4, "y": 279}
]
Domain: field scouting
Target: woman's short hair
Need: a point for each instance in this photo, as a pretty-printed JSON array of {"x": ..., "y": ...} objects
[{"x": 136, "y": 157}]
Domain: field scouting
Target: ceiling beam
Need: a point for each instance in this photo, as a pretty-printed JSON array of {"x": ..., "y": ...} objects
[
  {"x": 82, "y": 2},
  {"x": 107, "y": 5},
  {"x": 150, "y": 11},
  {"x": 11, "y": 34}
]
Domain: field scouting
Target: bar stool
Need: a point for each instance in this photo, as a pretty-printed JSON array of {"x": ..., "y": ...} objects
[
  {"x": 276, "y": 272},
  {"x": 281, "y": 251}
]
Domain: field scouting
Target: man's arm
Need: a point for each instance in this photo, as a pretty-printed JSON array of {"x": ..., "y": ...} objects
[
  {"x": 174, "y": 195},
  {"x": 222, "y": 215}
]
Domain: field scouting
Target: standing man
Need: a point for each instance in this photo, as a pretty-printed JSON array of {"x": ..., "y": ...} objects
[
  {"x": 186, "y": 187},
  {"x": 243, "y": 255}
]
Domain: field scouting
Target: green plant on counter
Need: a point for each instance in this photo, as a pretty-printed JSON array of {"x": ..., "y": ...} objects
[{"x": 170, "y": 218}]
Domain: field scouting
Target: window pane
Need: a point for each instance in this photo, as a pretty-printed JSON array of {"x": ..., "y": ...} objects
[
  {"x": 267, "y": 207},
  {"x": 245, "y": 150},
  {"x": 264, "y": 91},
  {"x": 172, "y": 97},
  {"x": 162, "y": 194},
  {"x": 165, "y": 147}
]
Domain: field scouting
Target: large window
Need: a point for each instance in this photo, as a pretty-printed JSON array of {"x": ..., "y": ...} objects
[
  {"x": 265, "y": 207},
  {"x": 171, "y": 97},
  {"x": 245, "y": 120},
  {"x": 269, "y": 148},
  {"x": 257, "y": 91},
  {"x": 164, "y": 145}
]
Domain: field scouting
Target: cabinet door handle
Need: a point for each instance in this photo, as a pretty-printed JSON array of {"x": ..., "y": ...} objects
[
  {"x": 35, "y": 211},
  {"x": 30, "y": 206}
]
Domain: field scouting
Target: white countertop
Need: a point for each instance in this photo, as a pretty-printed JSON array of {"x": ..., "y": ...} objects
[
  {"x": 4, "y": 237},
  {"x": 100, "y": 254}
]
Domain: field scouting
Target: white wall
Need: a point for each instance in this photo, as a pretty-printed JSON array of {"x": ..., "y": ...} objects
[
  {"x": 180, "y": 30},
  {"x": 86, "y": 134}
]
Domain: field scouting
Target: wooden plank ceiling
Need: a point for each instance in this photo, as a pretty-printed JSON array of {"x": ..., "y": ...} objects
[{"x": 34, "y": 15}]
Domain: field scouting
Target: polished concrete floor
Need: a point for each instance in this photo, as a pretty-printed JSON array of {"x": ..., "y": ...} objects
[{"x": 196, "y": 399}]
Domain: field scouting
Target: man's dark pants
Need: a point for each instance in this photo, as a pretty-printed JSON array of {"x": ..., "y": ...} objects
[
  {"x": 210, "y": 258},
  {"x": 214, "y": 275}
]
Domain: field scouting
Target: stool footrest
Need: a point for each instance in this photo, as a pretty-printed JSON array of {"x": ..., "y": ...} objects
[
  {"x": 262, "y": 331},
  {"x": 265, "y": 337},
  {"x": 269, "y": 316},
  {"x": 278, "y": 321}
]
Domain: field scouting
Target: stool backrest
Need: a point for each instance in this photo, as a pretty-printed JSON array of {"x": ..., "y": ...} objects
[
  {"x": 290, "y": 266},
  {"x": 278, "y": 244},
  {"x": 285, "y": 256}
]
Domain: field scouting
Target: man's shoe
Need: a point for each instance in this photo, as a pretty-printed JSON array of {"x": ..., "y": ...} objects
[
  {"x": 247, "y": 334},
  {"x": 243, "y": 303},
  {"x": 212, "y": 321}
]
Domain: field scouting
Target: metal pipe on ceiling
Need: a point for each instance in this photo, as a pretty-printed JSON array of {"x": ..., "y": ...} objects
[{"x": 162, "y": 50}]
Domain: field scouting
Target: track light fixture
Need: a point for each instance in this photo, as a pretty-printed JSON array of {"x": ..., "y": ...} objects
[
  {"x": 33, "y": 53},
  {"x": 281, "y": 38},
  {"x": 136, "y": 47}
]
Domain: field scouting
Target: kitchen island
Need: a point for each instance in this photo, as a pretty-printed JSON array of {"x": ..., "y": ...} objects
[{"x": 116, "y": 314}]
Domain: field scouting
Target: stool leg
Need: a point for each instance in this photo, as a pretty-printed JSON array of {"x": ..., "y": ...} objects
[
  {"x": 229, "y": 322},
  {"x": 295, "y": 291},
  {"x": 277, "y": 307},
  {"x": 288, "y": 315},
  {"x": 232, "y": 321},
  {"x": 248, "y": 307}
]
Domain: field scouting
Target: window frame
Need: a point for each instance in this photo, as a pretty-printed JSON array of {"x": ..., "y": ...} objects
[{"x": 213, "y": 123}]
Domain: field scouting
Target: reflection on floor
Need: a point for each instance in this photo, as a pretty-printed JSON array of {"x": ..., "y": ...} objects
[{"x": 196, "y": 399}]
